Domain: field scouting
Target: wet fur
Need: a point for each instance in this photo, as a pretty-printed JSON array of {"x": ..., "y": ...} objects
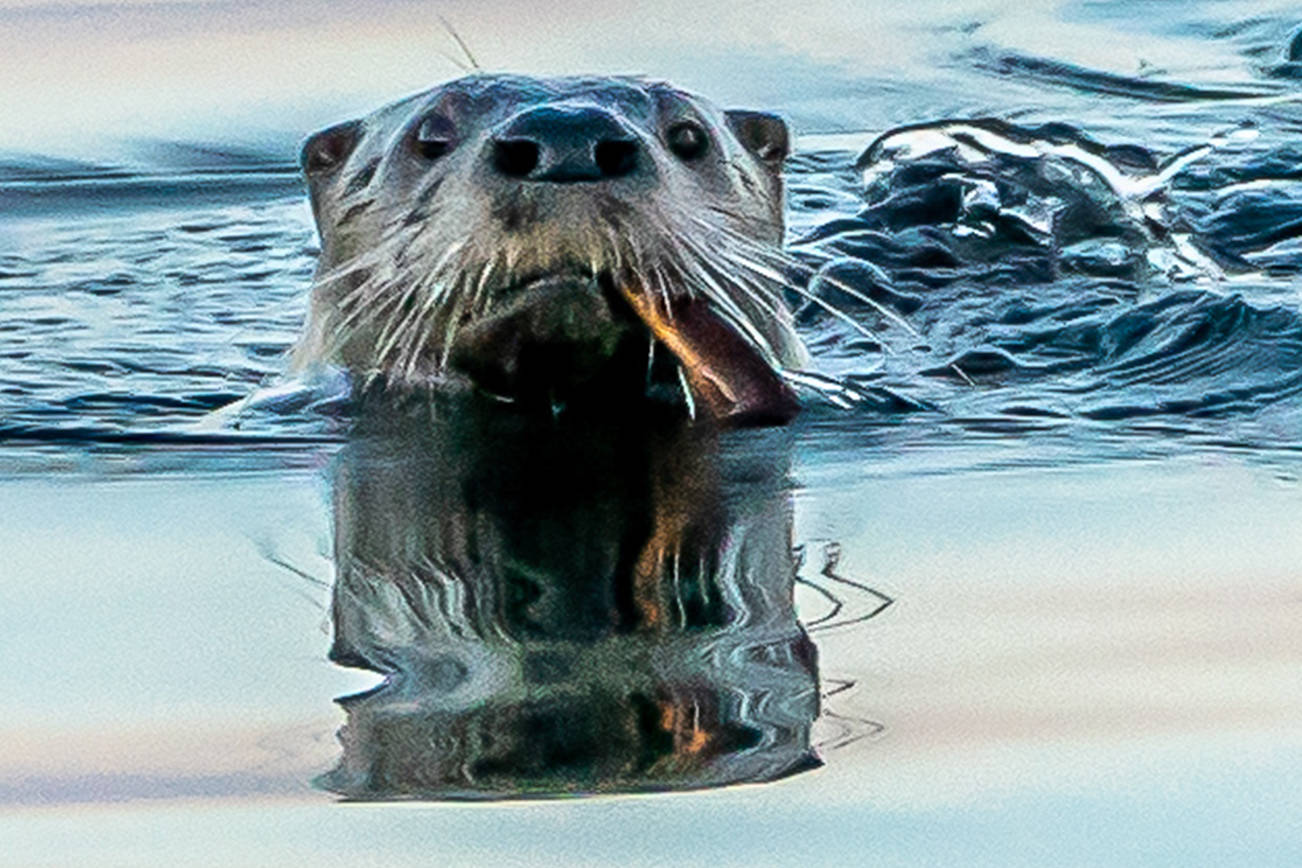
[{"x": 415, "y": 251}]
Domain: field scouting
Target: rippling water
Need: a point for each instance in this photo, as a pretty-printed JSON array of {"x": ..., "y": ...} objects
[
  {"x": 1027, "y": 263},
  {"x": 1036, "y": 275}
]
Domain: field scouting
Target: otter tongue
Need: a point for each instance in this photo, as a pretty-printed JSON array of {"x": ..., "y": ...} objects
[{"x": 726, "y": 375}]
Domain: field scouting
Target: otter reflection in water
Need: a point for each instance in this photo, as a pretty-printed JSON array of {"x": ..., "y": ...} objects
[{"x": 564, "y": 609}]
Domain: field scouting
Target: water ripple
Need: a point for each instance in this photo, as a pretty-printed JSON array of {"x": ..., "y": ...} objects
[{"x": 1050, "y": 277}]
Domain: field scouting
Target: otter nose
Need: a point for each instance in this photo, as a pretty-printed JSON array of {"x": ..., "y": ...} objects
[{"x": 564, "y": 143}]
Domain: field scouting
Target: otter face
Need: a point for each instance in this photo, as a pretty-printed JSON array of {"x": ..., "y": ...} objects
[{"x": 525, "y": 233}]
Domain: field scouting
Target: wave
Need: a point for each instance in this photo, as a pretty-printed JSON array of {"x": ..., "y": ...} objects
[{"x": 1047, "y": 275}]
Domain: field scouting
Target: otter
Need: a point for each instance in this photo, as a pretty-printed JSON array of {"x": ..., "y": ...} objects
[{"x": 556, "y": 240}]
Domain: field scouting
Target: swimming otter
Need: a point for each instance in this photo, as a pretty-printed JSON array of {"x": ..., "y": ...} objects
[{"x": 540, "y": 238}]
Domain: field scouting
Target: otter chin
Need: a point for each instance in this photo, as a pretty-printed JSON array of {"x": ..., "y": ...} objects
[{"x": 556, "y": 240}]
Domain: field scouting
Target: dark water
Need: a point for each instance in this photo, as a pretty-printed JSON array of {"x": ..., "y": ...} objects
[
  {"x": 1027, "y": 561},
  {"x": 1035, "y": 278}
]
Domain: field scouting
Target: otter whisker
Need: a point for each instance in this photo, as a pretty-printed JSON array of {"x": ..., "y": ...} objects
[
  {"x": 650, "y": 358},
  {"x": 760, "y": 269},
  {"x": 407, "y": 311},
  {"x": 409, "y": 334},
  {"x": 461, "y": 43},
  {"x": 481, "y": 285},
  {"x": 368, "y": 312},
  {"x": 451, "y": 287},
  {"x": 729, "y": 307},
  {"x": 349, "y": 267},
  {"x": 435, "y": 270},
  {"x": 693, "y": 265},
  {"x": 660, "y": 285},
  {"x": 373, "y": 298},
  {"x": 694, "y": 273},
  {"x": 858, "y": 295},
  {"x": 651, "y": 275},
  {"x": 707, "y": 270},
  {"x": 511, "y": 256},
  {"x": 830, "y": 308},
  {"x": 417, "y": 332},
  {"x": 365, "y": 290},
  {"x": 780, "y": 258},
  {"x": 429, "y": 323},
  {"x": 784, "y": 259},
  {"x": 687, "y": 392},
  {"x": 758, "y": 292},
  {"x": 452, "y": 326},
  {"x": 416, "y": 336},
  {"x": 346, "y": 327},
  {"x": 612, "y": 238}
]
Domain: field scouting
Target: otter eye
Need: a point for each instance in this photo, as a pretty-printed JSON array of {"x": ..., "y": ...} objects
[
  {"x": 434, "y": 137},
  {"x": 688, "y": 140}
]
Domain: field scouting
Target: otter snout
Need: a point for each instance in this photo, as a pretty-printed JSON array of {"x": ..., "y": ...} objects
[{"x": 565, "y": 144}]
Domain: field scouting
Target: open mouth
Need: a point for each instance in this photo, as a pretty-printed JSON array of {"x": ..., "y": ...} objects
[
  {"x": 726, "y": 376},
  {"x": 552, "y": 333}
]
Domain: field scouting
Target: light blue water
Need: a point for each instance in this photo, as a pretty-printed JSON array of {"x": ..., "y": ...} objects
[{"x": 1072, "y": 468}]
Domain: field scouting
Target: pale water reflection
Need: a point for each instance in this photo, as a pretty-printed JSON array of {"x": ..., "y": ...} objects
[{"x": 1048, "y": 675}]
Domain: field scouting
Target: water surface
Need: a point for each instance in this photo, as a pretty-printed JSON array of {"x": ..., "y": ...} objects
[{"x": 1019, "y": 586}]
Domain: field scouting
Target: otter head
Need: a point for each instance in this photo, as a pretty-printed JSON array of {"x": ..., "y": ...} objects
[{"x": 540, "y": 237}]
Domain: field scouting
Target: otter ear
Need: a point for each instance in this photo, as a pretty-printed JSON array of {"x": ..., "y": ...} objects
[
  {"x": 764, "y": 135},
  {"x": 327, "y": 150}
]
